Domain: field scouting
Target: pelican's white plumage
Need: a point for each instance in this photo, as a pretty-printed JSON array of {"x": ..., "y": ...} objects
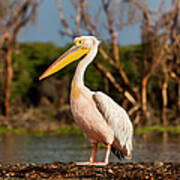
[
  {"x": 119, "y": 121},
  {"x": 101, "y": 119}
]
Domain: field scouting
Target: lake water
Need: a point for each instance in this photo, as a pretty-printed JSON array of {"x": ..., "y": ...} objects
[{"x": 68, "y": 148}]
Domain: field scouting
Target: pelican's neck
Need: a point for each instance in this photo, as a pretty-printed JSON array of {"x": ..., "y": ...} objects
[{"x": 81, "y": 68}]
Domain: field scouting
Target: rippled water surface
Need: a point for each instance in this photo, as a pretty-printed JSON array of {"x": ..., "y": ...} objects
[{"x": 66, "y": 148}]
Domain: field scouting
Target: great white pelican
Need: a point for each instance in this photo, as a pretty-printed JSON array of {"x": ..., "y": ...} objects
[{"x": 101, "y": 118}]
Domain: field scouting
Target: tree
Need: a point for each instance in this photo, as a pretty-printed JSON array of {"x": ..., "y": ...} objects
[
  {"x": 155, "y": 37},
  {"x": 160, "y": 46},
  {"x": 174, "y": 26},
  {"x": 14, "y": 15}
]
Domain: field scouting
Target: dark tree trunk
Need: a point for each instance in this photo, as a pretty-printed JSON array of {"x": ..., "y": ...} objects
[{"x": 8, "y": 78}]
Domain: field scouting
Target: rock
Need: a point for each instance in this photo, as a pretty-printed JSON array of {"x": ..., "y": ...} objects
[{"x": 158, "y": 163}]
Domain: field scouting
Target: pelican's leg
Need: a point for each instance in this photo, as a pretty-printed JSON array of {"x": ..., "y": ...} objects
[
  {"x": 108, "y": 151},
  {"x": 91, "y": 160},
  {"x": 106, "y": 160}
]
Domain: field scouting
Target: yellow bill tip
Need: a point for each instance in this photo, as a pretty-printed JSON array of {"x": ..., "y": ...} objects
[
  {"x": 44, "y": 75},
  {"x": 40, "y": 78}
]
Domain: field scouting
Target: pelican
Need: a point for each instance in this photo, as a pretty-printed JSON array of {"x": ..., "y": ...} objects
[{"x": 100, "y": 118}]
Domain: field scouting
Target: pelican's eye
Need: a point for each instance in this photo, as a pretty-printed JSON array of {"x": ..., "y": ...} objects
[{"x": 79, "y": 42}]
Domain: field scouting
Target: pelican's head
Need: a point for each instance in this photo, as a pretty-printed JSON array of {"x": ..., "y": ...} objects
[
  {"x": 82, "y": 46},
  {"x": 86, "y": 42}
]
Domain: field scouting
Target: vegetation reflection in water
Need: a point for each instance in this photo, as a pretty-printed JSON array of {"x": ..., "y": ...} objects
[{"x": 15, "y": 148}]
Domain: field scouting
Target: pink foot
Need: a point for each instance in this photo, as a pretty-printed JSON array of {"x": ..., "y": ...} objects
[
  {"x": 99, "y": 163},
  {"x": 83, "y": 163},
  {"x": 91, "y": 163}
]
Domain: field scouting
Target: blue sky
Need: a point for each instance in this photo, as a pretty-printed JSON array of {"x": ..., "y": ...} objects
[{"x": 48, "y": 26}]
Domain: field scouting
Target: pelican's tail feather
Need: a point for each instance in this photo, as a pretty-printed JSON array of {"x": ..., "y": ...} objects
[{"x": 120, "y": 153}]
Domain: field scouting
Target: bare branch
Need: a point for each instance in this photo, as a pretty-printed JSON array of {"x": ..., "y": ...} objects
[
  {"x": 63, "y": 20},
  {"x": 110, "y": 77},
  {"x": 144, "y": 10},
  {"x": 78, "y": 17},
  {"x": 159, "y": 9}
]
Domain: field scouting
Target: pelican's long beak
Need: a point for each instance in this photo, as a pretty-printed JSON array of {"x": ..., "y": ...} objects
[{"x": 68, "y": 57}]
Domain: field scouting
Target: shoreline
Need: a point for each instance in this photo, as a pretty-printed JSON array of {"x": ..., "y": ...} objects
[
  {"x": 75, "y": 130},
  {"x": 59, "y": 170}
]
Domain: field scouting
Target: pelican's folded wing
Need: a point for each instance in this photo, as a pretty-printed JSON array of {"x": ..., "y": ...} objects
[{"x": 119, "y": 121}]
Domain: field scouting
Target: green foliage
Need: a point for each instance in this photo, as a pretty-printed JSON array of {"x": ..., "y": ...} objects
[
  {"x": 94, "y": 79},
  {"x": 19, "y": 131},
  {"x": 28, "y": 63},
  {"x": 65, "y": 129},
  {"x": 158, "y": 129},
  {"x": 39, "y": 133},
  {"x": 145, "y": 130},
  {"x": 129, "y": 63},
  {"x": 3, "y": 129},
  {"x": 74, "y": 129},
  {"x": 176, "y": 130}
]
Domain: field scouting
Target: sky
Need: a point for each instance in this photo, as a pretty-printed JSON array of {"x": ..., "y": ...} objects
[{"x": 48, "y": 26}]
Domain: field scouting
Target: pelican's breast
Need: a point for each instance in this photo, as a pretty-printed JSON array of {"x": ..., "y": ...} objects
[
  {"x": 75, "y": 91},
  {"x": 88, "y": 117}
]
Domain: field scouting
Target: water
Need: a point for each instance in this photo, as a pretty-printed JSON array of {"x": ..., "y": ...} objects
[{"x": 66, "y": 148}]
